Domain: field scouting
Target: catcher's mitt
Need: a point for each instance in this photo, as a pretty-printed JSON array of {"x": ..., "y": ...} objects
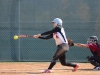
[{"x": 70, "y": 42}]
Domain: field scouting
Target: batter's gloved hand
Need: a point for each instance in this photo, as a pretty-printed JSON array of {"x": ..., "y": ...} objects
[{"x": 70, "y": 42}]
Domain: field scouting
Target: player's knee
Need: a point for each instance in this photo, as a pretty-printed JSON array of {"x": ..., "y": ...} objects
[
  {"x": 95, "y": 63},
  {"x": 63, "y": 63},
  {"x": 89, "y": 58},
  {"x": 56, "y": 57}
]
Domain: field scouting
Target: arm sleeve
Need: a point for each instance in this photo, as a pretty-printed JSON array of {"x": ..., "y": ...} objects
[
  {"x": 51, "y": 31},
  {"x": 47, "y": 37}
]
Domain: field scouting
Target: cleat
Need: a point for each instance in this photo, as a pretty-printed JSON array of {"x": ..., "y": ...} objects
[
  {"x": 96, "y": 68},
  {"x": 47, "y": 71},
  {"x": 75, "y": 68}
]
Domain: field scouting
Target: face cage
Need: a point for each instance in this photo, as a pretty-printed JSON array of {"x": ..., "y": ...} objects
[{"x": 91, "y": 41}]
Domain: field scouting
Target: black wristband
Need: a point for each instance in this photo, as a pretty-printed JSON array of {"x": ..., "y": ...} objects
[{"x": 72, "y": 44}]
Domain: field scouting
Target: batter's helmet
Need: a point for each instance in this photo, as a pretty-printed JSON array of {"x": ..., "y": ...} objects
[{"x": 58, "y": 21}]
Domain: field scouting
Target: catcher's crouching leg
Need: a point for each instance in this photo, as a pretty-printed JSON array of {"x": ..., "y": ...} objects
[{"x": 93, "y": 61}]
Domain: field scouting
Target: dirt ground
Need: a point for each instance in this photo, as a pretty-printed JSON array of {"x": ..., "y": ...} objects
[{"x": 36, "y": 68}]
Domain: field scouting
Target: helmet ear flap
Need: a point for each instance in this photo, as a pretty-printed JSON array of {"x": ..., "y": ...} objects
[{"x": 60, "y": 26}]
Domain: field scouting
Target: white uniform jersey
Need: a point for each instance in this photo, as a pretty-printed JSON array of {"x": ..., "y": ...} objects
[
  {"x": 60, "y": 37},
  {"x": 57, "y": 33}
]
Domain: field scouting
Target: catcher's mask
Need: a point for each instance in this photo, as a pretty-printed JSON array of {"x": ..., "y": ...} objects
[{"x": 92, "y": 39}]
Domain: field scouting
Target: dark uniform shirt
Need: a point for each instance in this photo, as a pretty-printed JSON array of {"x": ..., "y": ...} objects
[{"x": 94, "y": 49}]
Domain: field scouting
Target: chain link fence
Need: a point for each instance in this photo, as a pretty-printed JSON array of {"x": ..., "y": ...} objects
[{"x": 81, "y": 19}]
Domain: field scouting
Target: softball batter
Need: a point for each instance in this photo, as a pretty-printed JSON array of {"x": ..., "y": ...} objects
[{"x": 59, "y": 36}]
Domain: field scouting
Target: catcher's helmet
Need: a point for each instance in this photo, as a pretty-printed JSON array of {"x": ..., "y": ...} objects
[
  {"x": 92, "y": 39},
  {"x": 58, "y": 21}
]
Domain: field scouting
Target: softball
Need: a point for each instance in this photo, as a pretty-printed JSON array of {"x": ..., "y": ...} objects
[{"x": 15, "y": 37}]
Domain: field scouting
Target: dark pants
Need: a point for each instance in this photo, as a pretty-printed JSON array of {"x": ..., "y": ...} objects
[
  {"x": 60, "y": 54},
  {"x": 94, "y": 60}
]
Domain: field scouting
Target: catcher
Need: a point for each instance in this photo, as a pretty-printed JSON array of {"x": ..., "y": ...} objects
[
  {"x": 94, "y": 47},
  {"x": 59, "y": 36}
]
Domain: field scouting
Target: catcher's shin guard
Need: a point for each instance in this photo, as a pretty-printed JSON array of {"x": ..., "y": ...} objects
[{"x": 92, "y": 61}]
